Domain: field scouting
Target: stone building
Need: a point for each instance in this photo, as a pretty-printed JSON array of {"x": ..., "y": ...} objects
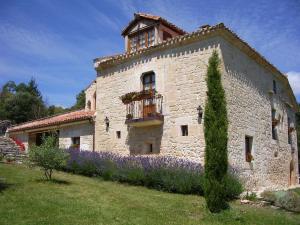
[{"x": 151, "y": 99}]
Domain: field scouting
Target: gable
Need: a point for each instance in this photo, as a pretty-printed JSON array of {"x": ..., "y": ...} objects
[{"x": 139, "y": 25}]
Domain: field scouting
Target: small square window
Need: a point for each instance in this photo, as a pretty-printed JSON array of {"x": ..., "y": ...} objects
[
  {"x": 184, "y": 130},
  {"x": 118, "y": 133},
  {"x": 75, "y": 142},
  {"x": 248, "y": 148}
]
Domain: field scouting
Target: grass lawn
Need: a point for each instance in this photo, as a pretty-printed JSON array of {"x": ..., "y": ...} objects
[{"x": 72, "y": 199}]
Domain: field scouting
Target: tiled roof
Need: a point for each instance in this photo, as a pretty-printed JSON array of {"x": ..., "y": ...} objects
[
  {"x": 54, "y": 120},
  {"x": 204, "y": 32},
  {"x": 138, "y": 16}
]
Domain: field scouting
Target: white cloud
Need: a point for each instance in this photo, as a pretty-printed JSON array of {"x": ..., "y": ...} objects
[
  {"x": 35, "y": 42},
  {"x": 294, "y": 79}
]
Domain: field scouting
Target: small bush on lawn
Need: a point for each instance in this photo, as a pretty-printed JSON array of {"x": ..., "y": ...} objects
[
  {"x": 48, "y": 156},
  {"x": 288, "y": 200},
  {"x": 161, "y": 173}
]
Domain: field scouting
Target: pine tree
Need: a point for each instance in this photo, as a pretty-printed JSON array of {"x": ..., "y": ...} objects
[{"x": 215, "y": 125}]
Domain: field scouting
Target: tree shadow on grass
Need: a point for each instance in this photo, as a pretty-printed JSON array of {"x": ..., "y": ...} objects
[
  {"x": 4, "y": 186},
  {"x": 54, "y": 181}
]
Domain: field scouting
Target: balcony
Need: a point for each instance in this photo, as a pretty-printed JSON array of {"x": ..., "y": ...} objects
[{"x": 143, "y": 108}]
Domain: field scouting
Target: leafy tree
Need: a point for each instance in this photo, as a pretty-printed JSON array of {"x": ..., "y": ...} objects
[
  {"x": 20, "y": 103},
  {"x": 80, "y": 101},
  {"x": 215, "y": 124},
  {"x": 53, "y": 110},
  {"x": 48, "y": 156}
]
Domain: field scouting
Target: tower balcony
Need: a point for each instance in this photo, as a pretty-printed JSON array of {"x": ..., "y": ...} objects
[{"x": 143, "y": 108}]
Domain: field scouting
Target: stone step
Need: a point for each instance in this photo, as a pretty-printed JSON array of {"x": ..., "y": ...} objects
[{"x": 11, "y": 150}]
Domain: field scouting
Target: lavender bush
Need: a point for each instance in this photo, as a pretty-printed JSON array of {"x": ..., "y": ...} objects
[{"x": 160, "y": 172}]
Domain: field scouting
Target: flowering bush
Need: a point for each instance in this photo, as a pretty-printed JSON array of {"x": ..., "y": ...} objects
[
  {"x": 161, "y": 172},
  {"x": 19, "y": 143}
]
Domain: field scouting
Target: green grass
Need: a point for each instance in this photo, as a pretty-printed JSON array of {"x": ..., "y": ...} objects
[{"x": 72, "y": 199}]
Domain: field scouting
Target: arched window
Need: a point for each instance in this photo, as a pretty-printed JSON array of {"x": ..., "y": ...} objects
[
  {"x": 148, "y": 80},
  {"x": 88, "y": 105}
]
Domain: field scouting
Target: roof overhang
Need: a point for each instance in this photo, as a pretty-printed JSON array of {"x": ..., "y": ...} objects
[
  {"x": 140, "y": 16},
  {"x": 65, "y": 119}
]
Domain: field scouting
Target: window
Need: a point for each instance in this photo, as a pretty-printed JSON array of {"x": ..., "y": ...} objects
[
  {"x": 184, "y": 130},
  {"x": 248, "y": 148},
  {"x": 289, "y": 133},
  {"x": 274, "y": 87},
  {"x": 148, "y": 81},
  {"x": 151, "y": 36},
  {"x": 118, "y": 133},
  {"x": 274, "y": 123},
  {"x": 75, "y": 142},
  {"x": 141, "y": 40},
  {"x": 133, "y": 43},
  {"x": 150, "y": 148},
  {"x": 166, "y": 35},
  {"x": 94, "y": 101},
  {"x": 88, "y": 105}
]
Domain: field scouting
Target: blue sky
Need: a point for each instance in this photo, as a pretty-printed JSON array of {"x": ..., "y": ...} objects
[{"x": 55, "y": 41}]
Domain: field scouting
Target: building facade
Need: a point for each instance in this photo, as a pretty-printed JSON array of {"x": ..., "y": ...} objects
[{"x": 150, "y": 100}]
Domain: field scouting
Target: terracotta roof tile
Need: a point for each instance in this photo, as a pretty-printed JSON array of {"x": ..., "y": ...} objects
[{"x": 54, "y": 120}]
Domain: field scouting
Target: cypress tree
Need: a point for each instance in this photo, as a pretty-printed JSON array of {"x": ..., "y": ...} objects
[{"x": 215, "y": 125}]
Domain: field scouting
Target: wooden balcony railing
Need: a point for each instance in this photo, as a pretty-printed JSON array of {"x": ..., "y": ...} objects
[{"x": 149, "y": 108}]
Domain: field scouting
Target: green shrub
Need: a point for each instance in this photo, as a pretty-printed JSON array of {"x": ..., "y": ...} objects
[
  {"x": 132, "y": 175},
  {"x": 288, "y": 200},
  {"x": 177, "y": 180},
  {"x": 88, "y": 168},
  {"x": 109, "y": 171},
  {"x": 251, "y": 197},
  {"x": 48, "y": 156},
  {"x": 232, "y": 187},
  {"x": 215, "y": 124}
]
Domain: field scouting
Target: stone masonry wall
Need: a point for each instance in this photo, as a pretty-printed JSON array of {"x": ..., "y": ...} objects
[
  {"x": 23, "y": 137},
  {"x": 84, "y": 131},
  {"x": 180, "y": 78},
  {"x": 89, "y": 96},
  {"x": 248, "y": 89}
]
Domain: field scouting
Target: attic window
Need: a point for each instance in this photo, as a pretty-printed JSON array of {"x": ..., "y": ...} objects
[{"x": 142, "y": 39}]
